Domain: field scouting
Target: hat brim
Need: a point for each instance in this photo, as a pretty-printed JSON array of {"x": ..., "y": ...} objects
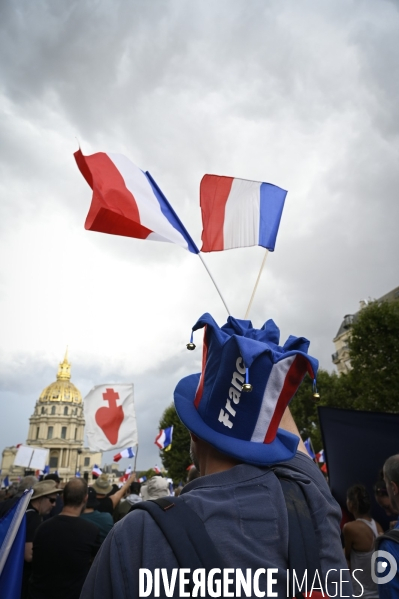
[
  {"x": 46, "y": 493},
  {"x": 102, "y": 491},
  {"x": 283, "y": 447}
]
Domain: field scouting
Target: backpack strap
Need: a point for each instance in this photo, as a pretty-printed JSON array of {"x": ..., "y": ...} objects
[
  {"x": 391, "y": 535},
  {"x": 185, "y": 532},
  {"x": 303, "y": 553}
]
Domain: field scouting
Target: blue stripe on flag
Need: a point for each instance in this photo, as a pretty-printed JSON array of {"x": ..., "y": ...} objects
[
  {"x": 271, "y": 207},
  {"x": 171, "y": 215},
  {"x": 168, "y": 436}
]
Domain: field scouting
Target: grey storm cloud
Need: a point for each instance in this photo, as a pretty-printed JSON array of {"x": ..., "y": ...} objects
[{"x": 301, "y": 94}]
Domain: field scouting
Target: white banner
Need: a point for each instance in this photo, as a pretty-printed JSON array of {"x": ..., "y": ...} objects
[
  {"x": 31, "y": 457},
  {"x": 110, "y": 417}
]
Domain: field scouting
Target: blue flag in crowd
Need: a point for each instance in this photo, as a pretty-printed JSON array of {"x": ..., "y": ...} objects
[
  {"x": 5, "y": 483},
  {"x": 12, "y": 548},
  {"x": 46, "y": 470},
  {"x": 309, "y": 447}
]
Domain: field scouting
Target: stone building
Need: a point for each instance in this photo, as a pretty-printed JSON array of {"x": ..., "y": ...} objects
[
  {"x": 57, "y": 424},
  {"x": 341, "y": 357}
]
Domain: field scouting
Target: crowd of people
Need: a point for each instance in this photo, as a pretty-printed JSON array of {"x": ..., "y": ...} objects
[{"x": 66, "y": 525}]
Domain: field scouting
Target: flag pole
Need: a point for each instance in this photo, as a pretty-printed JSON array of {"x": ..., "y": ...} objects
[
  {"x": 256, "y": 284},
  {"x": 135, "y": 457},
  {"x": 213, "y": 281}
]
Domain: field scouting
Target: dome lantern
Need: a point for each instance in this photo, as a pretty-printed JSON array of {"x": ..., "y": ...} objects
[
  {"x": 64, "y": 370},
  {"x": 62, "y": 390}
]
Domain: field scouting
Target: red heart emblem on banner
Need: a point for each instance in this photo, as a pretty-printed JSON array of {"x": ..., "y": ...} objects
[{"x": 110, "y": 418}]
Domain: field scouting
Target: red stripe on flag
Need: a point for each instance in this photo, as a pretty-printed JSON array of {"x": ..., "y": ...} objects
[
  {"x": 156, "y": 440},
  {"x": 293, "y": 379},
  {"x": 198, "y": 395},
  {"x": 214, "y": 192},
  {"x": 113, "y": 207}
]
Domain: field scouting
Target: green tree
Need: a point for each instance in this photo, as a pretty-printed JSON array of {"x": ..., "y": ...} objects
[
  {"x": 177, "y": 459},
  {"x": 370, "y": 385},
  {"x": 374, "y": 354}
]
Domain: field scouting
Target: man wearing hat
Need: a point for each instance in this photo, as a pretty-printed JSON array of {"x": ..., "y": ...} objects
[
  {"x": 103, "y": 488},
  {"x": 42, "y": 501},
  {"x": 64, "y": 548},
  {"x": 237, "y": 413}
]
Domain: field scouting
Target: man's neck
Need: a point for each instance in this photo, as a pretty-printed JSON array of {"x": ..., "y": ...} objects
[
  {"x": 69, "y": 510},
  {"x": 212, "y": 462}
]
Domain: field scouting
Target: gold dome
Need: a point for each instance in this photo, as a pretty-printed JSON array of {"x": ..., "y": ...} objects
[{"x": 62, "y": 389}]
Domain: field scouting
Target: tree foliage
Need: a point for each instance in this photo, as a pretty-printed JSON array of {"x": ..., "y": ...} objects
[
  {"x": 370, "y": 385},
  {"x": 177, "y": 459},
  {"x": 374, "y": 354}
]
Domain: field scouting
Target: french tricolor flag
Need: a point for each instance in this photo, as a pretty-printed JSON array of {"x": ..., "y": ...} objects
[
  {"x": 125, "y": 453},
  {"x": 127, "y": 201},
  {"x": 128, "y": 472},
  {"x": 320, "y": 456},
  {"x": 239, "y": 213},
  {"x": 164, "y": 439},
  {"x": 157, "y": 469},
  {"x": 96, "y": 471}
]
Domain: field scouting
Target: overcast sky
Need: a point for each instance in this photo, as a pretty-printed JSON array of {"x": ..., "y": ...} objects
[{"x": 303, "y": 95}]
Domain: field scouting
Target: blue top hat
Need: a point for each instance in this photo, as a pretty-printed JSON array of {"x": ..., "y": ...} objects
[{"x": 214, "y": 407}]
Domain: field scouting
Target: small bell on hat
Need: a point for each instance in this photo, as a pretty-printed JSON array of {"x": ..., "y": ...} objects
[
  {"x": 191, "y": 345},
  {"x": 247, "y": 387},
  {"x": 316, "y": 394}
]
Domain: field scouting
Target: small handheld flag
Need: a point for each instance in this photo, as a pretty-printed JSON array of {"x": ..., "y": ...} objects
[
  {"x": 96, "y": 471},
  {"x": 239, "y": 213},
  {"x": 309, "y": 448},
  {"x": 142, "y": 479},
  {"x": 157, "y": 469},
  {"x": 320, "y": 457},
  {"x": 127, "y": 201},
  {"x": 125, "y": 453},
  {"x": 128, "y": 472},
  {"x": 164, "y": 439},
  {"x": 6, "y": 483}
]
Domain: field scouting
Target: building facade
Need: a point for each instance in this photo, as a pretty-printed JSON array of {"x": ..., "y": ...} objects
[
  {"x": 341, "y": 357},
  {"x": 57, "y": 424}
]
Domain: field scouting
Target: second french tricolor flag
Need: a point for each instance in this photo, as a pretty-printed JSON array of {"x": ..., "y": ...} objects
[{"x": 239, "y": 213}]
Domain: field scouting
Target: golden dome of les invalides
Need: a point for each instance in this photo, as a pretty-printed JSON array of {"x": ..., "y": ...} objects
[{"x": 57, "y": 424}]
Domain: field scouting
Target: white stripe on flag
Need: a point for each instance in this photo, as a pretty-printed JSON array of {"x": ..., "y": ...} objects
[
  {"x": 272, "y": 392},
  {"x": 242, "y": 214},
  {"x": 150, "y": 212}
]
